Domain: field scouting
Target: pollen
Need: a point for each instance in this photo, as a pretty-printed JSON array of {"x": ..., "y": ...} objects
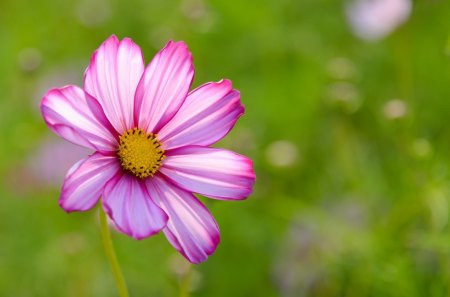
[{"x": 140, "y": 154}]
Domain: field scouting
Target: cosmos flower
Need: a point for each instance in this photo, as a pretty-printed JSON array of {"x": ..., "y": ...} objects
[
  {"x": 374, "y": 19},
  {"x": 152, "y": 140}
]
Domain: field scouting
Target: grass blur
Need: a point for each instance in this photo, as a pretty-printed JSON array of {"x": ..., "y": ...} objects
[{"x": 350, "y": 141}]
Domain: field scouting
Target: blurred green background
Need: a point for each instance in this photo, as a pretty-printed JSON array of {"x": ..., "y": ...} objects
[{"x": 350, "y": 141}]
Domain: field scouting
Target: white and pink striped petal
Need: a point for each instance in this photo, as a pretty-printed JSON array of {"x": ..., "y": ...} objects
[
  {"x": 129, "y": 205},
  {"x": 212, "y": 172},
  {"x": 77, "y": 117},
  {"x": 163, "y": 87},
  {"x": 86, "y": 180},
  {"x": 191, "y": 228},
  {"x": 112, "y": 77},
  {"x": 206, "y": 116}
]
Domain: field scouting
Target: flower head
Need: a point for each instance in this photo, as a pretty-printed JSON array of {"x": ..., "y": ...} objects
[
  {"x": 152, "y": 140},
  {"x": 374, "y": 19}
]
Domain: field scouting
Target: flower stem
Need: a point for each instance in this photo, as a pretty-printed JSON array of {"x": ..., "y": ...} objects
[{"x": 111, "y": 255}]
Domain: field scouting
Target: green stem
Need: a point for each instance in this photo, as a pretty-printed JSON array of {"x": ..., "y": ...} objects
[
  {"x": 111, "y": 255},
  {"x": 186, "y": 283}
]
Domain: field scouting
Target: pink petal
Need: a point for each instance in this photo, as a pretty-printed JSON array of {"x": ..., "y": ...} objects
[
  {"x": 191, "y": 228},
  {"x": 163, "y": 87},
  {"x": 212, "y": 172},
  {"x": 86, "y": 180},
  {"x": 129, "y": 205},
  {"x": 206, "y": 116},
  {"x": 77, "y": 117},
  {"x": 112, "y": 77}
]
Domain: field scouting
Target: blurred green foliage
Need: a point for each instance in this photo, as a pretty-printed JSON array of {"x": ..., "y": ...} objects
[{"x": 350, "y": 141}]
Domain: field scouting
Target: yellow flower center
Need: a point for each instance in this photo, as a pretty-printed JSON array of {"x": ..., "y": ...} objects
[{"x": 140, "y": 153}]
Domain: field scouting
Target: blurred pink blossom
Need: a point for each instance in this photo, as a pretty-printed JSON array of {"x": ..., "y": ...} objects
[
  {"x": 53, "y": 159},
  {"x": 374, "y": 19},
  {"x": 46, "y": 166}
]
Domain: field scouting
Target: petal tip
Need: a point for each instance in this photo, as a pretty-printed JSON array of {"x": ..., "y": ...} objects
[
  {"x": 180, "y": 46},
  {"x": 113, "y": 38},
  {"x": 64, "y": 207},
  {"x": 145, "y": 235},
  {"x": 225, "y": 82},
  {"x": 128, "y": 42},
  {"x": 140, "y": 236}
]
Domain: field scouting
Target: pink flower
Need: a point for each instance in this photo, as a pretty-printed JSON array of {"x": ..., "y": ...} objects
[
  {"x": 374, "y": 19},
  {"x": 152, "y": 141}
]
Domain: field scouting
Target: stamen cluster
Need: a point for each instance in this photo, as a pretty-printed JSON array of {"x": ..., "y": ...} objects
[{"x": 140, "y": 153}]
